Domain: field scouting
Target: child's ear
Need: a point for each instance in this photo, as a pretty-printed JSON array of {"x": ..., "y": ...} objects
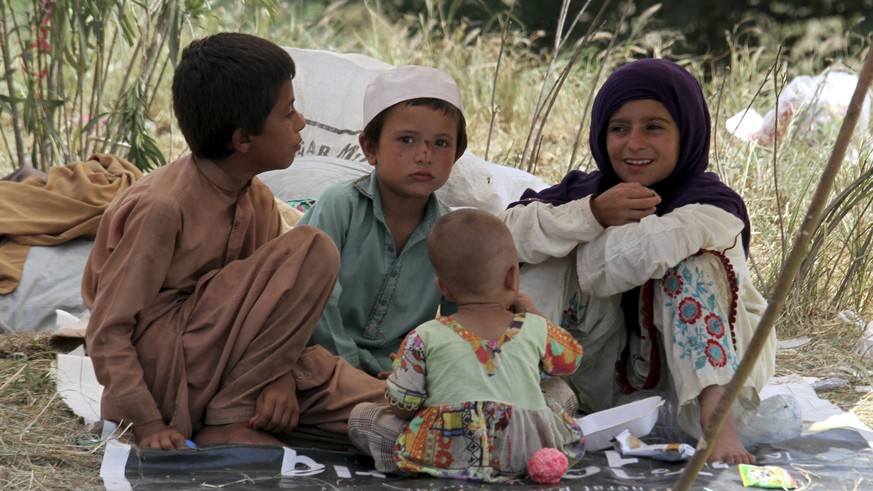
[
  {"x": 369, "y": 148},
  {"x": 460, "y": 151},
  {"x": 511, "y": 282},
  {"x": 445, "y": 291},
  {"x": 240, "y": 141}
]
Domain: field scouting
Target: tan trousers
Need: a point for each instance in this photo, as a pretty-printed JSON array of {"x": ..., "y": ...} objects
[
  {"x": 328, "y": 388},
  {"x": 244, "y": 326}
]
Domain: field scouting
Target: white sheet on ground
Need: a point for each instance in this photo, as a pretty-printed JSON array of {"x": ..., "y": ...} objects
[{"x": 818, "y": 414}]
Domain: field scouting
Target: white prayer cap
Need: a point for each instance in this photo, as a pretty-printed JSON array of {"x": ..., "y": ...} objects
[{"x": 409, "y": 82}]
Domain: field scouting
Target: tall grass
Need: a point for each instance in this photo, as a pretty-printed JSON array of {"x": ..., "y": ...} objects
[
  {"x": 777, "y": 179},
  {"x": 129, "y": 59}
]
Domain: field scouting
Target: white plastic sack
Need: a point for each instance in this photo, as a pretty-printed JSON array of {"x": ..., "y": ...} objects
[
  {"x": 865, "y": 343},
  {"x": 329, "y": 90},
  {"x": 473, "y": 183},
  {"x": 812, "y": 105}
]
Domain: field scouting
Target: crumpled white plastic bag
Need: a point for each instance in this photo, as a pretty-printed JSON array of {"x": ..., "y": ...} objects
[{"x": 811, "y": 105}]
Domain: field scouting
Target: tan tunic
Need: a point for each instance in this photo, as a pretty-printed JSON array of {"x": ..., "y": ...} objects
[{"x": 197, "y": 302}]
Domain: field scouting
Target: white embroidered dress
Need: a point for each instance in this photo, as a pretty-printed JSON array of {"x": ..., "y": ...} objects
[{"x": 696, "y": 291}]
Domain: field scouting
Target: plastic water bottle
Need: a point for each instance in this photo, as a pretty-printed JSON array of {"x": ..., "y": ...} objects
[{"x": 778, "y": 419}]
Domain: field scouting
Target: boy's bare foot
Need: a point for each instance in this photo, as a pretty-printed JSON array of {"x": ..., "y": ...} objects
[
  {"x": 234, "y": 433},
  {"x": 727, "y": 447}
]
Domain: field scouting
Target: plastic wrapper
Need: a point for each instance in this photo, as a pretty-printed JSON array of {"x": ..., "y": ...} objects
[
  {"x": 766, "y": 476},
  {"x": 631, "y": 446}
]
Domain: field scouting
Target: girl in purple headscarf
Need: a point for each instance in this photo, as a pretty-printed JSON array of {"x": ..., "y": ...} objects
[{"x": 644, "y": 260}]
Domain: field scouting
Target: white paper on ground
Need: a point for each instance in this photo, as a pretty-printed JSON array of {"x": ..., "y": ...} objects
[
  {"x": 77, "y": 385},
  {"x": 114, "y": 462},
  {"x": 818, "y": 414},
  {"x": 291, "y": 460},
  {"x": 812, "y": 408},
  {"x": 74, "y": 374}
]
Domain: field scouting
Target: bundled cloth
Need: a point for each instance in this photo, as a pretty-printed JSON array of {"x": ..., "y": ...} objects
[{"x": 66, "y": 204}]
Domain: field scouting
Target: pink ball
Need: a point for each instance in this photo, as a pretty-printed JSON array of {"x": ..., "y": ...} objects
[{"x": 547, "y": 465}]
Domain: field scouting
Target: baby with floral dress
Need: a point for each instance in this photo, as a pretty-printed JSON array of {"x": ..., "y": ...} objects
[{"x": 469, "y": 383}]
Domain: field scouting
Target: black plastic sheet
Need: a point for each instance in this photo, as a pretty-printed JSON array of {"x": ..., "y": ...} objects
[{"x": 836, "y": 459}]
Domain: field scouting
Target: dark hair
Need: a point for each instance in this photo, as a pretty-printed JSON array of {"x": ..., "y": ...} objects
[
  {"x": 373, "y": 130},
  {"x": 223, "y": 82}
]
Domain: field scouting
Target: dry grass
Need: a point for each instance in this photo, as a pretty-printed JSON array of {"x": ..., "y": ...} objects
[
  {"x": 43, "y": 445},
  {"x": 831, "y": 353}
]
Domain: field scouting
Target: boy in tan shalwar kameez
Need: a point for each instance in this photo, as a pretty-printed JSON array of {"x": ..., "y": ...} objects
[{"x": 200, "y": 306}]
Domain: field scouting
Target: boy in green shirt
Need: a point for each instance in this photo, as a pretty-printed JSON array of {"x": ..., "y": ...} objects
[{"x": 414, "y": 131}]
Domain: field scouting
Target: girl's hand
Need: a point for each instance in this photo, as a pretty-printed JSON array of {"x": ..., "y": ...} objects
[
  {"x": 627, "y": 202},
  {"x": 159, "y": 436},
  {"x": 276, "y": 410},
  {"x": 523, "y": 304}
]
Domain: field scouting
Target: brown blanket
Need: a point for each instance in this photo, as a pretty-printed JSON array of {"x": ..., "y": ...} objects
[{"x": 67, "y": 204}]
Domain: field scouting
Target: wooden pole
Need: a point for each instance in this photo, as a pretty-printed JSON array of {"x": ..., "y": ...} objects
[{"x": 786, "y": 278}]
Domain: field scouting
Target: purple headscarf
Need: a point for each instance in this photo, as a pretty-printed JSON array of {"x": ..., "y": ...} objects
[{"x": 680, "y": 93}]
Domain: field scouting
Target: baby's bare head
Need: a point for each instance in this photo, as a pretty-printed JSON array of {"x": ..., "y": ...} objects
[{"x": 471, "y": 251}]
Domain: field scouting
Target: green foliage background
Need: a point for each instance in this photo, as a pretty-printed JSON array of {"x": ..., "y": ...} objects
[{"x": 702, "y": 23}]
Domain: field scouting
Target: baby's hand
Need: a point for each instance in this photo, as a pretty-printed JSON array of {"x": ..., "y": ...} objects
[
  {"x": 276, "y": 410},
  {"x": 384, "y": 375},
  {"x": 624, "y": 203},
  {"x": 523, "y": 304}
]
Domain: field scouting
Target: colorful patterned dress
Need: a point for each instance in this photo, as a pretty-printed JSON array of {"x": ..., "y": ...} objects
[{"x": 481, "y": 413}]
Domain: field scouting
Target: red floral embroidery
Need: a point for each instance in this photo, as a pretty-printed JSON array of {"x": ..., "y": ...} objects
[
  {"x": 689, "y": 310},
  {"x": 444, "y": 443},
  {"x": 714, "y": 325},
  {"x": 715, "y": 353},
  {"x": 734, "y": 283},
  {"x": 672, "y": 284}
]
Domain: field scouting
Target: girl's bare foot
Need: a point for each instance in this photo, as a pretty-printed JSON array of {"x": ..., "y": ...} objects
[
  {"x": 727, "y": 447},
  {"x": 234, "y": 433}
]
